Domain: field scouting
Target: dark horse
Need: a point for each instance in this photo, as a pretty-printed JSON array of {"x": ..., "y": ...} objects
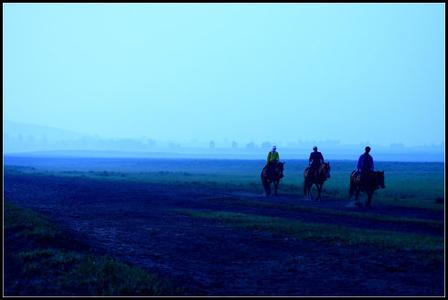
[
  {"x": 272, "y": 177},
  {"x": 371, "y": 183},
  {"x": 317, "y": 178}
]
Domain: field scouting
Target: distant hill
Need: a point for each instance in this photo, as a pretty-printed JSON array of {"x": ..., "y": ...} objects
[
  {"x": 15, "y": 129},
  {"x": 23, "y": 137}
]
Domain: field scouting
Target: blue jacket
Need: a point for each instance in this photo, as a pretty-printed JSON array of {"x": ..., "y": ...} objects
[{"x": 365, "y": 162}]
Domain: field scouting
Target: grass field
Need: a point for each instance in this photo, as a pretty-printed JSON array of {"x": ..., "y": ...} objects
[{"x": 203, "y": 227}]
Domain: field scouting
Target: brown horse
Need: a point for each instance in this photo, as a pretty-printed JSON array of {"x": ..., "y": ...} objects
[
  {"x": 272, "y": 177},
  {"x": 369, "y": 184},
  {"x": 317, "y": 178}
]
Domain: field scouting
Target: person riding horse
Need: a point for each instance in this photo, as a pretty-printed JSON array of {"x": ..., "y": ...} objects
[
  {"x": 315, "y": 160},
  {"x": 365, "y": 166},
  {"x": 272, "y": 160},
  {"x": 364, "y": 178}
]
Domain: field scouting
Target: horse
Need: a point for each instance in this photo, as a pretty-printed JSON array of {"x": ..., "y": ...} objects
[
  {"x": 371, "y": 183},
  {"x": 272, "y": 177},
  {"x": 317, "y": 178}
]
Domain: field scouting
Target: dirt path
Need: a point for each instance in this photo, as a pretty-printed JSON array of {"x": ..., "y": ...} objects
[{"x": 139, "y": 224}]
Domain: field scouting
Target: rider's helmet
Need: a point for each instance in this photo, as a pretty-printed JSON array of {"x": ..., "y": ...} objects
[
  {"x": 274, "y": 148},
  {"x": 314, "y": 148},
  {"x": 367, "y": 149}
]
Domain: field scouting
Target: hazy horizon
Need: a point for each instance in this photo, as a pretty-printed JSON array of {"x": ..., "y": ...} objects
[
  {"x": 277, "y": 73},
  {"x": 25, "y": 139},
  {"x": 40, "y": 132}
]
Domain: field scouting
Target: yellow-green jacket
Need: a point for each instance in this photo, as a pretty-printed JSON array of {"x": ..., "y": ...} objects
[{"x": 272, "y": 155}]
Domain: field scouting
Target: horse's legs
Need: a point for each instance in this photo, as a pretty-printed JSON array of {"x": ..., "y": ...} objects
[
  {"x": 369, "y": 198},
  {"x": 266, "y": 186},
  {"x": 319, "y": 189},
  {"x": 310, "y": 195},
  {"x": 276, "y": 187},
  {"x": 357, "y": 202},
  {"x": 305, "y": 189},
  {"x": 350, "y": 193},
  {"x": 269, "y": 188}
]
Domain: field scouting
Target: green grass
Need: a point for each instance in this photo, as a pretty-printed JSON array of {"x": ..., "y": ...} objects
[
  {"x": 332, "y": 234},
  {"x": 41, "y": 259},
  {"x": 430, "y": 224}
]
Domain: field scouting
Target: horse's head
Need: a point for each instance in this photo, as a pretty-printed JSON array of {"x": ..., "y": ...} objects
[{"x": 380, "y": 179}]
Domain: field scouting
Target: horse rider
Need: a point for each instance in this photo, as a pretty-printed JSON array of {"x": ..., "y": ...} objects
[
  {"x": 365, "y": 164},
  {"x": 272, "y": 160},
  {"x": 315, "y": 161}
]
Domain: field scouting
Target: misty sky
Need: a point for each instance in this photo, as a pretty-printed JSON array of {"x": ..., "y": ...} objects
[{"x": 252, "y": 72}]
